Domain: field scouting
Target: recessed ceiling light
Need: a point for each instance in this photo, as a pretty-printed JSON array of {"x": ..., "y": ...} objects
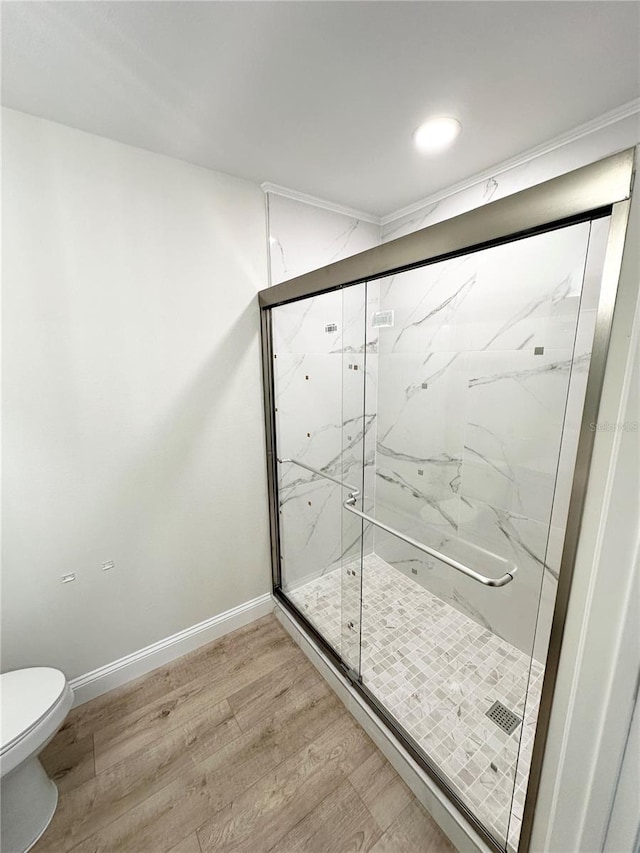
[{"x": 436, "y": 134}]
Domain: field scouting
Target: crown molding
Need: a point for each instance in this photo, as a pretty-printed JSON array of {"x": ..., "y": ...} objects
[
  {"x": 625, "y": 111},
  {"x": 614, "y": 116},
  {"x": 286, "y": 192}
]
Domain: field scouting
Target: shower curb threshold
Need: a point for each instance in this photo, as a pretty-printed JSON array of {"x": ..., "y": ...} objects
[{"x": 451, "y": 822}]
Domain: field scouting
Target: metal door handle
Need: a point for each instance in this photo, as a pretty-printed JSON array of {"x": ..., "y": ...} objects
[
  {"x": 350, "y": 506},
  {"x": 506, "y": 578}
]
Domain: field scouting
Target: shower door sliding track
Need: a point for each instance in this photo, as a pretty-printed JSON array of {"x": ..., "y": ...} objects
[{"x": 600, "y": 189}]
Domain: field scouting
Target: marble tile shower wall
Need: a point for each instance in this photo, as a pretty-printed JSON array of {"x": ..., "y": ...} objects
[
  {"x": 487, "y": 354},
  {"x": 303, "y": 237},
  {"x": 486, "y": 490},
  {"x": 320, "y": 418},
  {"x": 325, "y": 379}
]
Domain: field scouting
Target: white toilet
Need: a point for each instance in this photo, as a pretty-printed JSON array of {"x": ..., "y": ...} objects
[{"x": 33, "y": 703}]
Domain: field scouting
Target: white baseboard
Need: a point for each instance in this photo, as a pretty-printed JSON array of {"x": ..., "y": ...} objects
[{"x": 119, "y": 672}]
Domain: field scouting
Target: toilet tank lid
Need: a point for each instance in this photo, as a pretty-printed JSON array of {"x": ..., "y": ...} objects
[{"x": 26, "y": 696}]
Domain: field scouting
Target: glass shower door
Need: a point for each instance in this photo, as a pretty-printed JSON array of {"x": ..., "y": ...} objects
[
  {"x": 322, "y": 439},
  {"x": 426, "y": 426},
  {"x": 480, "y": 364}
]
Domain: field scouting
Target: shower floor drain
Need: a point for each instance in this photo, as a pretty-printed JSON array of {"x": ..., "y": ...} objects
[{"x": 503, "y": 718}]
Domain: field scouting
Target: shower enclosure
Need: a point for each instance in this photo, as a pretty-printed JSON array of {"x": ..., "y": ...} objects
[{"x": 429, "y": 407}]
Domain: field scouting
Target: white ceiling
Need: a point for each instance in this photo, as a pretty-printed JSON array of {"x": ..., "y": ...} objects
[{"x": 323, "y": 97}]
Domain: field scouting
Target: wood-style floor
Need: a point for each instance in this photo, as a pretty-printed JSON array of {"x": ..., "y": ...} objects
[{"x": 239, "y": 746}]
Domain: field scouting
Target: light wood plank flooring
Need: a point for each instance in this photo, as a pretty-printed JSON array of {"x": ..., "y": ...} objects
[{"x": 238, "y": 746}]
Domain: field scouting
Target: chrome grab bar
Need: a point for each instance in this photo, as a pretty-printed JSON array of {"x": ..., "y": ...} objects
[
  {"x": 506, "y": 578},
  {"x": 349, "y": 505}
]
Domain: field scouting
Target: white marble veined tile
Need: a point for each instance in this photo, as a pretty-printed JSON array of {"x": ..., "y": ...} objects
[
  {"x": 515, "y": 296},
  {"x": 425, "y": 303},
  {"x": 315, "y": 532},
  {"x": 355, "y": 333},
  {"x": 315, "y": 529},
  {"x": 515, "y": 413},
  {"x": 452, "y": 205},
  {"x": 502, "y": 532},
  {"x": 420, "y": 434},
  {"x": 430, "y": 498},
  {"x": 356, "y": 382},
  {"x": 319, "y": 400},
  {"x": 301, "y": 327},
  {"x": 333, "y": 322},
  {"x": 413, "y": 222},
  {"x": 523, "y": 542},
  {"x": 527, "y": 292},
  {"x": 308, "y": 399},
  {"x": 304, "y": 237},
  {"x": 369, "y": 445},
  {"x": 310, "y": 518},
  {"x": 372, "y": 306},
  {"x": 422, "y": 401},
  {"x": 522, "y": 489}
]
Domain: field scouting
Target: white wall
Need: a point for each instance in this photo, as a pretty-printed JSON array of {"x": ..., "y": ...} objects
[{"x": 132, "y": 396}]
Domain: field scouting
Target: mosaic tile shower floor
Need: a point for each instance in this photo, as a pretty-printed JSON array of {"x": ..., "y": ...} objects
[{"x": 438, "y": 672}]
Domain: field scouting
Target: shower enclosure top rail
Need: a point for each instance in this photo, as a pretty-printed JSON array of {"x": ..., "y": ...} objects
[{"x": 349, "y": 505}]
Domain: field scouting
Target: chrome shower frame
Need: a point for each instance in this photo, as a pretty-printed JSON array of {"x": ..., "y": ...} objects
[{"x": 600, "y": 189}]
